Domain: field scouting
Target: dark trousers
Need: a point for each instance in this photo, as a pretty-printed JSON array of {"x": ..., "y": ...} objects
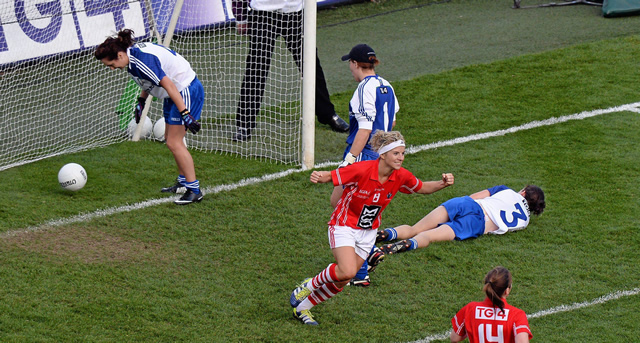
[{"x": 264, "y": 28}]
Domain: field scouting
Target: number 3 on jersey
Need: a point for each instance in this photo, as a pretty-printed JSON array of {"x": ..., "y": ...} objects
[{"x": 515, "y": 215}]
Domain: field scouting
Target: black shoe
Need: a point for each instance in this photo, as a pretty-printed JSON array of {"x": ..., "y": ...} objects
[
  {"x": 374, "y": 259},
  {"x": 396, "y": 247},
  {"x": 381, "y": 236},
  {"x": 242, "y": 135},
  {"x": 176, "y": 188},
  {"x": 366, "y": 282},
  {"x": 337, "y": 124},
  {"x": 189, "y": 197}
]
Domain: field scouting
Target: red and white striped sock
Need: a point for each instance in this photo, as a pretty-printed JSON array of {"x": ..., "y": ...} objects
[
  {"x": 328, "y": 275},
  {"x": 324, "y": 293}
]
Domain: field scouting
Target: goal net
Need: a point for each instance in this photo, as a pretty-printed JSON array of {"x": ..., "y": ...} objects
[{"x": 58, "y": 99}]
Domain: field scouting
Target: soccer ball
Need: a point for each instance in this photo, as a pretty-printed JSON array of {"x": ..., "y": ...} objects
[
  {"x": 158, "y": 130},
  {"x": 147, "y": 127},
  {"x": 72, "y": 176}
]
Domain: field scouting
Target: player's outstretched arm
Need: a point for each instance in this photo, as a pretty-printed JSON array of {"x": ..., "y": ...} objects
[
  {"x": 320, "y": 176},
  {"x": 429, "y": 187}
]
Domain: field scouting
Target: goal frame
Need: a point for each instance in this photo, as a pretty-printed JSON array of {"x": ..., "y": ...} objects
[{"x": 308, "y": 81}]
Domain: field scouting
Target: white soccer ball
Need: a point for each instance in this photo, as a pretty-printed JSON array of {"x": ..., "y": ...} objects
[
  {"x": 72, "y": 176},
  {"x": 147, "y": 128},
  {"x": 158, "y": 130}
]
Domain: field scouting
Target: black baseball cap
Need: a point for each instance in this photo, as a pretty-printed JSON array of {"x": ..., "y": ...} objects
[{"x": 360, "y": 53}]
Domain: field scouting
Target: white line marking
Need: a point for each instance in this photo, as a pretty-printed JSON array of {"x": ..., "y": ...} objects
[
  {"x": 553, "y": 310},
  {"x": 148, "y": 203},
  {"x": 634, "y": 107}
]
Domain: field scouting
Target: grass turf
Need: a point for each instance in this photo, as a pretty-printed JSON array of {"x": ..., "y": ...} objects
[{"x": 225, "y": 273}]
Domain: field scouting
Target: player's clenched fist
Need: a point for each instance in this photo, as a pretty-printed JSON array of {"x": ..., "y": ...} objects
[
  {"x": 315, "y": 176},
  {"x": 320, "y": 176},
  {"x": 447, "y": 179}
]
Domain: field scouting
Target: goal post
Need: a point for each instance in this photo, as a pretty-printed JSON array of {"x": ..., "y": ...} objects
[
  {"x": 309, "y": 85},
  {"x": 68, "y": 102}
]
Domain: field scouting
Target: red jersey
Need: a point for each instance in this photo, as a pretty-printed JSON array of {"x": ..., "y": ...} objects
[
  {"x": 364, "y": 197},
  {"x": 484, "y": 323}
]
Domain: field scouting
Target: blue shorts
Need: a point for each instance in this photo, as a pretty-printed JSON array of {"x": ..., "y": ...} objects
[
  {"x": 193, "y": 97},
  {"x": 366, "y": 155},
  {"x": 466, "y": 217}
]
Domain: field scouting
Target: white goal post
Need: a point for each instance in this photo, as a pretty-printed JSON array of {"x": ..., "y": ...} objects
[
  {"x": 58, "y": 99},
  {"x": 309, "y": 85}
]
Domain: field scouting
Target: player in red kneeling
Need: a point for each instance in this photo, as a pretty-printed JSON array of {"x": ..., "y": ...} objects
[
  {"x": 492, "y": 320},
  {"x": 369, "y": 187}
]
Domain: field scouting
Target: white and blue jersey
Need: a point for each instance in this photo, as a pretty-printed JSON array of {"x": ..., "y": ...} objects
[
  {"x": 373, "y": 107},
  {"x": 506, "y": 208},
  {"x": 149, "y": 63}
]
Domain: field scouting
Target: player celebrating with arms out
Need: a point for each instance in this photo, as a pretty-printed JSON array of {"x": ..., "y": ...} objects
[
  {"x": 496, "y": 210},
  {"x": 165, "y": 74},
  {"x": 493, "y": 317},
  {"x": 369, "y": 188}
]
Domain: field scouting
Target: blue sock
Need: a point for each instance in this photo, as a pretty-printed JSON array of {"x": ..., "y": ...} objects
[
  {"x": 362, "y": 273},
  {"x": 391, "y": 234},
  {"x": 182, "y": 179},
  {"x": 414, "y": 244},
  {"x": 193, "y": 186}
]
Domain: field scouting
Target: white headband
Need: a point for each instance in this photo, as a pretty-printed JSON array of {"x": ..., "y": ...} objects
[{"x": 386, "y": 148}]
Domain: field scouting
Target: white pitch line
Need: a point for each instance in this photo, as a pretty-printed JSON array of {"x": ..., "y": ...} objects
[
  {"x": 553, "y": 310},
  {"x": 147, "y": 203},
  {"x": 634, "y": 107}
]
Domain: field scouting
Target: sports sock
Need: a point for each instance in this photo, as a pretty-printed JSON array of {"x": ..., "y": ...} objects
[
  {"x": 193, "y": 186},
  {"x": 182, "y": 179},
  {"x": 391, "y": 234},
  {"x": 324, "y": 293},
  {"x": 328, "y": 275},
  {"x": 414, "y": 244}
]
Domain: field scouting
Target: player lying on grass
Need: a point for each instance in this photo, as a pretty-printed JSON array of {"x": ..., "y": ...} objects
[
  {"x": 162, "y": 73},
  {"x": 369, "y": 188},
  {"x": 496, "y": 210}
]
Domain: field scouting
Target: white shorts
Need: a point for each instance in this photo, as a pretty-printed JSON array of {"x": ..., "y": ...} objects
[{"x": 361, "y": 240}]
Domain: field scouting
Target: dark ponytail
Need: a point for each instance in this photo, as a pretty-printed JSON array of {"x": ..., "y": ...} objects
[
  {"x": 112, "y": 45},
  {"x": 495, "y": 284}
]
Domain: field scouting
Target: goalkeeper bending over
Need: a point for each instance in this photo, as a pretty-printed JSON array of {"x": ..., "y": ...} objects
[
  {"x": 165, "y": 74},
  {"x": 496, "y": 210}
]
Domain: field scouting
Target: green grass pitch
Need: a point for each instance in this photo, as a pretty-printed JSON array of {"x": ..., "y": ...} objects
[{"x": 118, "y": 262}]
